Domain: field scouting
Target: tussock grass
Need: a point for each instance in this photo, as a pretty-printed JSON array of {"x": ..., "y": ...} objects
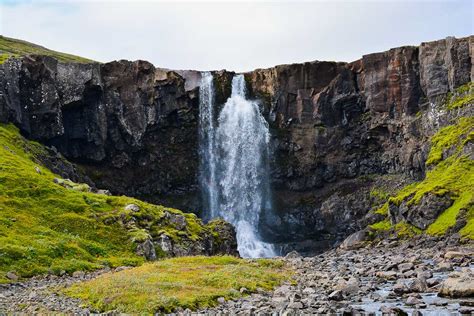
[{"x": 186, "y": 282}]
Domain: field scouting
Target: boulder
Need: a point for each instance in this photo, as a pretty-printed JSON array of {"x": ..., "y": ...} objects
[
  {"x": 461, "y": 286},
  {"x": 420, "y": 214},
  {"x": 355, "y": 241},
  {"x": 147, "y": 250},
  {"x": 418, "y": 285}
]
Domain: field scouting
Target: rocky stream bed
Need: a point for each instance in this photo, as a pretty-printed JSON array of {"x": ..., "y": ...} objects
[{"x": 419, "y": 277}]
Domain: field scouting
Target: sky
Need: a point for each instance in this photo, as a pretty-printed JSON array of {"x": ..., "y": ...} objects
[{"x": 238, "y": 36}]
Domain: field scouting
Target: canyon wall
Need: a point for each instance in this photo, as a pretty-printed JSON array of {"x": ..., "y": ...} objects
[{"x": 338, "y": 129}]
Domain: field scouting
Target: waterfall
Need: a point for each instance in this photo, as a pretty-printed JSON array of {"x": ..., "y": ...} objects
[
  {"x": 207, "y": 167},
  {"x": 237, "y": 153}
]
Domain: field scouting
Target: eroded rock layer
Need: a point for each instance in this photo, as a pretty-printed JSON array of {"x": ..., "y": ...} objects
[{"x": 338, "y": 129}]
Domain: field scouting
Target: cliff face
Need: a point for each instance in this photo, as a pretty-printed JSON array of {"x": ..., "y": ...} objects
[
  {"x": 342, "y": 130},
  {"x": 338, "y": 129},
  {"x": 128, "y": 124}
]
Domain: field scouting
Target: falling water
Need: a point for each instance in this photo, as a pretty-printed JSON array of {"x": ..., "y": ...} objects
[
  {"x": 207, "y": 172},
  {"x": 237, "y": 153}
]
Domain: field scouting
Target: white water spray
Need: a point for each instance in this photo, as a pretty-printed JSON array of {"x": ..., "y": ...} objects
[
  {"x": 207, "y": 172},
  {"x": 239, "y": 159}
]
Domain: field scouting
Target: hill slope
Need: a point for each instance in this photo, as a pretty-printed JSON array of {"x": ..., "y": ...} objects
[
  {"x": 52, "y": 225},
  {"x": 10, "y": 47}
]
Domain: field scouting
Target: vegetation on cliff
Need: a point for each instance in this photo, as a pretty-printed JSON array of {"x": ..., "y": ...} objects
[
  {"x": 186, "y": 282},
  {"x": 49, "y": 226},
  {"x": 10, "y": 47},
  {"x": 450, "y": 172}
]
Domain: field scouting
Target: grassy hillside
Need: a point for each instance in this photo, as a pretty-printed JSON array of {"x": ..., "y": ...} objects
[
  {"x": 10, "y": 47},
  {"x": 46, "y": 227},
  {"x": 188, "y": 282},
  {"x": 450, "y": 171}
]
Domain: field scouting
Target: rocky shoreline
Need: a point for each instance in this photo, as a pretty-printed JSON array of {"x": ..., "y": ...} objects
[
  {"x": 391, "y": 277},
  {"x": 416, "y": 277}
]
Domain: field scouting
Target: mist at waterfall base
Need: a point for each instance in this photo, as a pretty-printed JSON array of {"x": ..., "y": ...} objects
[{"x": 234, "y": 164}]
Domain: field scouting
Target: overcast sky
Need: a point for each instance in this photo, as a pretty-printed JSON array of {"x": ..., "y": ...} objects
[{"x": 237, "y": 36}]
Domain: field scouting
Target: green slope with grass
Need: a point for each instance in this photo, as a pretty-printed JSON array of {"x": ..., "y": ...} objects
[
  {"x": 186, "y": 282},
  {"x": 48, "y": 228},
  {"x": 10, "y": 47},
  {"x": 450, "y": 171}
]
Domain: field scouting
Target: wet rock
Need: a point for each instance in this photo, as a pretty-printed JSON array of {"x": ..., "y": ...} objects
[
  {"x": 418, "y": 285},
  {"x": 400, "y": 288},
  {"x": 413, "y": 301},
  {"x": 433, "y": 281},
  {"x": 444, "y": 266}
]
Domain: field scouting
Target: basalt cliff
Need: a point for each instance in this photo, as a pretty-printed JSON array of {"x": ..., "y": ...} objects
[{"x": 344, "y": 136}]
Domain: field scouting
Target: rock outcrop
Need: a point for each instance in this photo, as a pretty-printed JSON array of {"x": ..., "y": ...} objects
[{"x": 337, "y": 128}]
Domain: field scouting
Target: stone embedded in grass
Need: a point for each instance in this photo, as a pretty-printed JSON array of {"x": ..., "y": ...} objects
[
  {"x": 68, "y": 184},
  {"x": 12, "y": 276},
  {"x": 132, "y": 207}
]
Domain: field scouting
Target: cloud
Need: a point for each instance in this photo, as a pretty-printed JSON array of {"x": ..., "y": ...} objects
[{"x": 233, "y": 35}]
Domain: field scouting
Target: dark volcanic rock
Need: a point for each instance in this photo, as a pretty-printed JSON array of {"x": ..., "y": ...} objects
[
  {"x": 420, "y": 214},
  {"x": 337, "y": 129},
  {"x": 131, "y": 126}
]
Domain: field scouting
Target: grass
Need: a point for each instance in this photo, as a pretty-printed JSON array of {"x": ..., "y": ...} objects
[
  {"x": 48, "y": 228},
  {"x": 10, "y": 47},
  {"x": 186, "y": 282}
]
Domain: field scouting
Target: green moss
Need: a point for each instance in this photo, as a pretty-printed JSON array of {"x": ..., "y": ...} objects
[
  {"x": 186, "y": 282},
  {"x": 405, "y": 230},
  {"x": 382, "y": 225},
  {"x": 382, "y": 210},
  {"x": 449, "y": 137},
  {"x": 448, "y": 218},
  {"x": 453, "y": 176},
  {"x": 51, "y": 227},
  {"x": 467, "y": 232},
  {"x": 464, "y": 95},
  {"x": 10, "y": 47},
  {"x": 379, "y": 194}
]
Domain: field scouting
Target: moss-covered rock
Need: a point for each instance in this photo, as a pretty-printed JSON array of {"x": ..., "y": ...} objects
[{"x": 443, "y": 202}]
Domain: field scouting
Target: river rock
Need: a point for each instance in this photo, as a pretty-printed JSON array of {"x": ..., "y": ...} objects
[
  {"x": 354, "y": 241},
  {"x": 461, "y": 286}
]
